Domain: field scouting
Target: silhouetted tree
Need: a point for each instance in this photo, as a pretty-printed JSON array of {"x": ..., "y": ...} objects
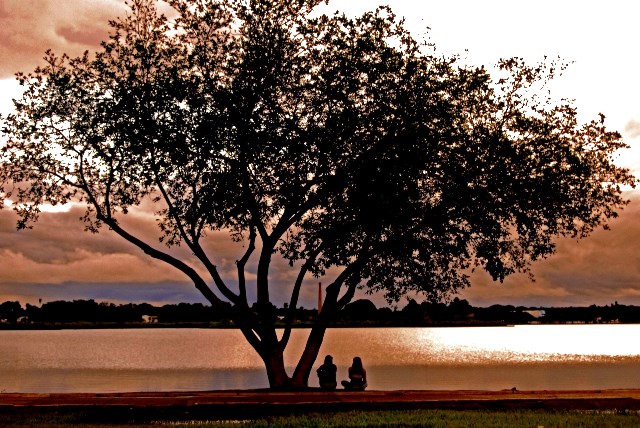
[
  {"x": 62, "y": 311},
  {"x": 185, "y": 312},
  {"x": 459, "y": 309},
  {"x": 11, "y": 311},
  {"x": 434, "y": 311},
  {"x": 385, "y": 314},
  {"x": 413, "y": 313},
  {"x": 336, "y": 142},
  {"x": 360, "y": 310}
]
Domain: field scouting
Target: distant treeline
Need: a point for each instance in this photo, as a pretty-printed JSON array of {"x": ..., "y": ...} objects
[{"x": 359, "y": 313}]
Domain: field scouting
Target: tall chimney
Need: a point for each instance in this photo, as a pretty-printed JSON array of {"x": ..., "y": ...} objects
[{"x": 319, "y": 297}]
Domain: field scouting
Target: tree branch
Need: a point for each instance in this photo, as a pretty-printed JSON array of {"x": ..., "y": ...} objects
[
  {"x": 107, "y": 218},
  {"x": 242, "y": 285},
  {"x": 251, "y": 202},
  {"x": 252, "y": 338},
  {"x": 199, "y": 283},
  {"x": 295, "y": 294},
  {"x": 348, "y": 295},
  {"x": 350, "y": 275},
  {"x": 194, "y": 246}
]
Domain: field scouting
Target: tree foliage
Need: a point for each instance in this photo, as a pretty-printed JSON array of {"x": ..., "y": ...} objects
[{"x": 337, "y": 143}]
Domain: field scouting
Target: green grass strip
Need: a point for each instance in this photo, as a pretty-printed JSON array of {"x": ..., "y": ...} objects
[{"x": 361, "y": 419}]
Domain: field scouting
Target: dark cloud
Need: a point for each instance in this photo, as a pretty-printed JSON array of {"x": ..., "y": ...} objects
[
  {"x": 600, "y": 269},
  {"x": 119, "y": 292},
  {"x": 57, "y": 259},
  {"x": 58, "y": 249}
]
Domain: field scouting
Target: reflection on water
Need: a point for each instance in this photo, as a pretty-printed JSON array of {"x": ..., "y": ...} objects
[
  {"x": 491, "y": 358},
  {"x": 123, "y": 380}
]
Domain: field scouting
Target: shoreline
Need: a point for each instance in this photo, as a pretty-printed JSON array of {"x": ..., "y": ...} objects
[{"x": 225, "y": 326}]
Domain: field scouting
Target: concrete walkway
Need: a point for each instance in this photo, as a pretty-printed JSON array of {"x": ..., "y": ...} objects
[{"x": 256, "y": 400}]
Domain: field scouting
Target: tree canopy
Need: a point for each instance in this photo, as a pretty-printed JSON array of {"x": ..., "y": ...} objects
[{"x": 334, "y": 142}]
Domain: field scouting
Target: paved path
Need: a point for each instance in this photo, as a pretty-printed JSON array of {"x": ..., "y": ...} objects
[{"x": 339, "y": 399}]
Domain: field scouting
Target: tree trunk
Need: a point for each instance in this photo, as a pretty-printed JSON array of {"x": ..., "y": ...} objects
[
  {"x": 272, "y": 353},
  {"x": 274, "y": 362},
  {"x": 309, "y": 355},
  {"x": 314, "y": 341},
  {"x": 273, "y": 359}
]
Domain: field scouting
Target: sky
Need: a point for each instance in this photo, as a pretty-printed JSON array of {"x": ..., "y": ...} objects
[{"x": 57, "y": 260}]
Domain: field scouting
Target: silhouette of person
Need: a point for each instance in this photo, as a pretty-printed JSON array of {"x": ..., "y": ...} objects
[
  {"x": 357, "y": 376},
  {"x": 327, "y": 374}
]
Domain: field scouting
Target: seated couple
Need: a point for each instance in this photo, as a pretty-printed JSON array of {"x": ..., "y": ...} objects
[{"x": 327, "y": 375}]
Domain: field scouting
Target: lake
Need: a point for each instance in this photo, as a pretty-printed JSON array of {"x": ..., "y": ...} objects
[{"x": 529, "y": 357}]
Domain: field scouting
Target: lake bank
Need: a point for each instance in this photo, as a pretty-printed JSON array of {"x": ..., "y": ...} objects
[{"x": 231, "y": 326}]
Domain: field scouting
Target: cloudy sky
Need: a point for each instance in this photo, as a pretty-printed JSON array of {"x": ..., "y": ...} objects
[{"x": 57, "y": 260}]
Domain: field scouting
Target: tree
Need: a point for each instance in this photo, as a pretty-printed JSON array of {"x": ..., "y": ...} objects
[
  {"x": 11, "y": 311},
  {"x": 336, "y": 143},
  {"x": 360, "y": 310}
]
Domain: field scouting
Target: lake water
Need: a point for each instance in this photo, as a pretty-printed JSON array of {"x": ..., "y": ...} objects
[{"x": 532, "y": 357}]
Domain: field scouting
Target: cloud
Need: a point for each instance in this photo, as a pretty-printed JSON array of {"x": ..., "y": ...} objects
[
  {"x": 39, "y": 262},
  {"x": 633, "y": 128},
  {"x": 58, "y": 260},
  {"x": 58, "y": 249},
  {"x": 600, "y": 269},
  {"x": 3, "y": 10},
  {"x": 86, "y": 267},
  {"x": 155, "y": 293},
  {"x": 29, "y": 27},
  {"x": 57, "y": 252}
]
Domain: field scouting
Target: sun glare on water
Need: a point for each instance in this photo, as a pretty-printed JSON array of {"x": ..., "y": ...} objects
[{"x": 532, "y": 343}]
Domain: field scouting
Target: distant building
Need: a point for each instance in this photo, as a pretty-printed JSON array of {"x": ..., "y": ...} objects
[{"x": 149, "y": 319}]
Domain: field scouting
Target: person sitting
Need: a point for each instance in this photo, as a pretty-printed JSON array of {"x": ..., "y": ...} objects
[
  {"x": 327, "y": 374},
  {"x": 357, "y": 376}
]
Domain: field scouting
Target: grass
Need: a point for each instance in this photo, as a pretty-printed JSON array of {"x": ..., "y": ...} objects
[{"x": 354, "y": 419}]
